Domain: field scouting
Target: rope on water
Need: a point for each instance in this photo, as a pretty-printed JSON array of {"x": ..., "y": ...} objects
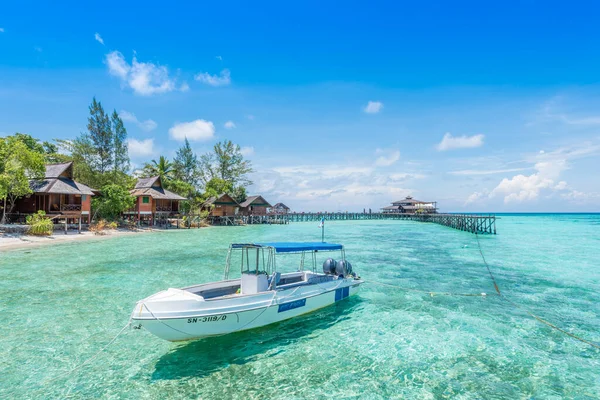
[
  {"x": 428, "y": 291},
  {"x": 531, "y": 314},
  {"x": 68, "y": 373}
]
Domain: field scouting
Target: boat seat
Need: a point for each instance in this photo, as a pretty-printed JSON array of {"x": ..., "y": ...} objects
[
  {"x": 218, "y": 292},
  {"x": 291, "y": 279},
  {"x": 319, "y": 279}
]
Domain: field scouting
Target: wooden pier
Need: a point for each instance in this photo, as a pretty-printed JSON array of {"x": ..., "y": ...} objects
[
  {"x": 473, "y": 223},
  {"x": 249, "y": 220}
]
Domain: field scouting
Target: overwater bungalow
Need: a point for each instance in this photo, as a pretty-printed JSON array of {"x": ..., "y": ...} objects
[
  {"x": 409, "y": 205},
  {"x": 255, "y": 205},
  {"x": 222, "y": 205},
  {"x": 153, "y": 202},
  {"x": 57, "y": 194},
  {"x": 280, "y": 209}
]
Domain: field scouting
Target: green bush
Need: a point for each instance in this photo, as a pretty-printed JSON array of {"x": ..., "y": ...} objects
[
  {"x": 114, "y": 200},
  {"x": 39, "y": 224},
  {"x": 101, "y": 226}
]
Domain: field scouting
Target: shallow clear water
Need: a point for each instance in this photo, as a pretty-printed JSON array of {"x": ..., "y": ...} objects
[{"x": 59, "y": 305}]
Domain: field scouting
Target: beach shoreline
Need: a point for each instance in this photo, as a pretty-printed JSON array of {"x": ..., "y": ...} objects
[{"x": 16, "y": 241}]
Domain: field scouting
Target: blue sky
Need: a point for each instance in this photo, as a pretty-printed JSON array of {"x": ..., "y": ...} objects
[{"x": 340, "y": 107}]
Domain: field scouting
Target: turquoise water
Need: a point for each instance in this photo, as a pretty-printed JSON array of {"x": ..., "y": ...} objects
[{"x": 59, "y": 305}]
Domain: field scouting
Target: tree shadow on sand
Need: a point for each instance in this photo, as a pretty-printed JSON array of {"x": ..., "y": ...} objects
[{"x": 203, "y": 357}]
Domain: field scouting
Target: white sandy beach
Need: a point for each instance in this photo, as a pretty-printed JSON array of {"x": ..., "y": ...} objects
[{"x": 11, "y": 241}]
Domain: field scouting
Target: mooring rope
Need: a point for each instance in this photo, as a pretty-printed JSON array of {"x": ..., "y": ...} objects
[
  {"x": 165, "y": 324},
  {"x": 539, "y": 319},
  {"x": 429, "y": 292},
  {"x": 68, "y": 373}
]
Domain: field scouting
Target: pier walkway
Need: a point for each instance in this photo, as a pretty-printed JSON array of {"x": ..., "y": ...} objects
[{"x": 473, "y": 223}]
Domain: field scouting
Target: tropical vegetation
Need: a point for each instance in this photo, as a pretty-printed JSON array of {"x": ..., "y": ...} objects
[
  {"x": 39, "y": 224},
  {"x": 101, "y": 161}
]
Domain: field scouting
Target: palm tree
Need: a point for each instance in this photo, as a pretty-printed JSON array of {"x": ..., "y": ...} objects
[{"x": 162, "y": 168}]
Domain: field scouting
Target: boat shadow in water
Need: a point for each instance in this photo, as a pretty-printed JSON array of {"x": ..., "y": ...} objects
[{"x": 206, "y": 356}]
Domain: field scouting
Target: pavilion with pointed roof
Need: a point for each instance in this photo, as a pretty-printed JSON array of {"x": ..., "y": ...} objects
[
  {"x": 255, "y": 205},
  {"x": 153, "y": 201},
  {"x": 409, "y": 205},
  {"x": 222, "y": 205},
  {"x": 280, "y": 208},
  {"x": 57, "y": 194}
]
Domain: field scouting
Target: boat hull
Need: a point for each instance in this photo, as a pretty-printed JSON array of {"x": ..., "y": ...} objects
[{"x": 281, "y": 306}]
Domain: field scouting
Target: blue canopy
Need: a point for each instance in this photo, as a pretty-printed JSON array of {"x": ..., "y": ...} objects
[{"x": 291, "y": 247}]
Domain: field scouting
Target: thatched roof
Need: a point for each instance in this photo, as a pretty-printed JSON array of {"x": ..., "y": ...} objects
[
  {"x": 59, "y": 180},
  {"x": 222, "y": 199},
  {"x": 60, "y": 186},
  {"x": 409, "y": 200},
  {"x": 148, "y": 182},
  {"x": 153, "y": 187},
  {"x": 281, "y": 205},
  {"x": 255, "y": 201},
  {"x": 56, "y": 170},
  {"x": 157, "y": 193}
]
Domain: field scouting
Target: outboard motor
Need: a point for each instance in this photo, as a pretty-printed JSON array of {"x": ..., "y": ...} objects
[
  {"x": 343, "y": 268},
  {"x": 329, "y": 266}
]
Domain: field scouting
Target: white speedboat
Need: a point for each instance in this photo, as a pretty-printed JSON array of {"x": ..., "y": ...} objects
[{"x": 261, "y": 296}]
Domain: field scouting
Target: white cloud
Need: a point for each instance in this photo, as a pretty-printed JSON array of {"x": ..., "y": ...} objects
[
  {"x": 327, "y": 171},
  {"x": 147, "y": 125},
  {"x": 581, "y": 120},
  {"x": 229, "y": 125},
  {"x": 523, "y": 187},
  {"x": 403, "y": 176},
  {"x": 140, "y": 148},
  {"x": 387, "y": 157},
  {"x": 117, "y": 65},
  {"x": 545, "y": 181},
  {"x": 332, "y": 187},
  {"x": 197, "y": 130},
  {"x": 450, "y": 142},
  {"x": 577, "y": 197},
  {"x": 476, "y": 197},
  {"x": 552, "y": 110},
  {"x": 145, "y": 79},
  {"x": 214, "y": 80},
  {"x": 127, "y": 116},
  {"x": 486, "y": 172},
  {"x": 184, "y": 87},
  {"x": 98, "y": 38},
  {"x": 373, "y": 107},
  {"x": 549, "y": 166},
  {"x": 247, "y": 151}
]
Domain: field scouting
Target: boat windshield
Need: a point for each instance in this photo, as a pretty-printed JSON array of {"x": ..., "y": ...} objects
[{"x": 259, "y": 258}]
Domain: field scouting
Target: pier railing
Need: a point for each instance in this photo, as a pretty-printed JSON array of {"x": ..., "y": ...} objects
[{"x": 474, "y": 223}]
